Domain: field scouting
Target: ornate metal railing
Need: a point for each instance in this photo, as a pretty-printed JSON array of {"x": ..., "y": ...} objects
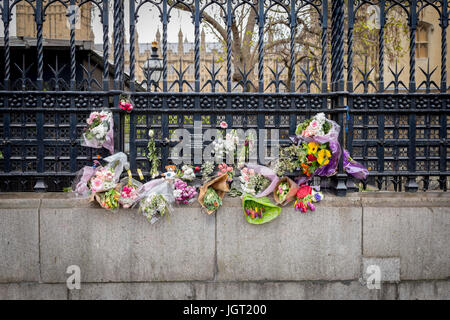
[{"x": 399, "y": 131}]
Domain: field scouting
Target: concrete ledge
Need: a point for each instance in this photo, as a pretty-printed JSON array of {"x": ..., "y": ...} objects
[
  {"x": 33, "y": 291},
  {"x": 294, "y": 246},
  {"x": 419, "y": 236},
  {"x": 123, "y": 246},
  {"x": 19, "y": 245},
  {"x": 322, "y": 254}
]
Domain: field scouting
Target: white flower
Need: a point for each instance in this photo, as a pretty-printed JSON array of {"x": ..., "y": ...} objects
[{"x": 99, "y": 132}]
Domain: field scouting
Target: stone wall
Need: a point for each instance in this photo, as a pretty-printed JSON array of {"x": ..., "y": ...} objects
[{"x": 319, "y": 255}]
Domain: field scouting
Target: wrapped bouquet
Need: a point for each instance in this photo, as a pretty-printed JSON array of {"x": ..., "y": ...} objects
[
  {"x": 211, "y": 193},
  {"x": 259, "y": 210},
  {"x": 285, "y": 191},
  {"x": 99, "y": 130},
  {"x": 316, "y": 151},
  {"x": 258, "y": 180},
  {"x": 129, "y": 192},
  {"x": 156, "y": 200},
  {"x": 108, "y": 200},
  {"x": 306, "y": 197}
]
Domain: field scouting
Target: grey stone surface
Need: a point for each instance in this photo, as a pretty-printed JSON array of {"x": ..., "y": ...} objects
[
  {"x": 135, "y": 291},
  {"x": 19, "y": 245},
  {"x": 424, "y": 290},
  {"x": 123, "y": 246},
  {"x": 33, "y": 291},
  {"x": 304, "y": 290},
  {"x": 323, "y": 245},
  {"x": 419, "y": 236},
  {"x": 389, "y": 268}
]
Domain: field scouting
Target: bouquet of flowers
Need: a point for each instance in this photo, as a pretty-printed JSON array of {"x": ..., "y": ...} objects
[
  {"x": 258, "y": 180},
  {"x": 252, "y": 182},
  {"x": 211, "y": 193},
  {"x": 212, "y": 201},
  {"x": 107, "y": 177},
  {"x": 99, "y": 130},
  {"x": 129, "y": 192},
  {"x": 207, "y": 169},
  {"x": 183, "y": 193},
  {"x": 259, "y": 210},
  {"x": 321, "y": 134},
  {"x": 306, "y": 197},
  {"x": 226, "y": 169},
  {"x": 285, "y": 191},
  {"x": 103, "y": 179},
  {"x": 108, "y": 200},
  {"x": 156, "y": 200},
  {"x": 126, "y": 104}
]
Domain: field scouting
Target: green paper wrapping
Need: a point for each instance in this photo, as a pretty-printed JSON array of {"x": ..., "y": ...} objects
[{"x": 272, "y": 210}]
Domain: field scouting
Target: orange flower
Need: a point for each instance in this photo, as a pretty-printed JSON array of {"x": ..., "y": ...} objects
[{"x": 305, "y": 169}]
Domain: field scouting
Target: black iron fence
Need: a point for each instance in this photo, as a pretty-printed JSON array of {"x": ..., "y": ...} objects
[{"x": 399, "y": 131}]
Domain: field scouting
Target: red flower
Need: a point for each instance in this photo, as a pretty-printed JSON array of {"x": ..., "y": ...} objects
[
  {"x": 304, "y": 191},
  {"x": 197, "y": 168},
  {"x": 311, "y": 157}
]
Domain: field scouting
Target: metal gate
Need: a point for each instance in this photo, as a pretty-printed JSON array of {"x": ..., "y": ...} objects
[{"x": 398, "y": 130}]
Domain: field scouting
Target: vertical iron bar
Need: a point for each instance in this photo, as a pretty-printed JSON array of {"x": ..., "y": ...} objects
[
  {"x": 165, "y": 22},
  {"x": 118, "y": 59},
  {"x": 132, "y": 115},
  {"x": 105, "y": 22},
  {"x": 337, "y": 70},
  {"x": 293, "y": 26},
  {"x": 381, "y": 46},
  {"x": 412, "y": 45},
  {"x": 197, "y": 116},
  {"x": 411, "y": 185},
  {"x": 444, "y": 25},
  {"x": 40, "y": 185},
  {"x": 323, "y": 62},
  {"x": 7, "y": 50},
  {"x": 164, "y": 116},
  {"x": 39, "y": 16},
  {"x": 261, "y": 19},
  {"x": 72, "y": 48},
  {"x": 229, "y": 23},
  {"x": 197, "y": 46},
  {"x": 351, "y": 19},
  {"x": 117, "y": 44}
]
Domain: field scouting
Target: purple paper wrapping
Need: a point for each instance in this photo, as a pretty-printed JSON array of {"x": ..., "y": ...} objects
[
  {"x": 354, "y": 168},
  {"x": 269, "y": 174},
  {"x": 332, "y": 138}
]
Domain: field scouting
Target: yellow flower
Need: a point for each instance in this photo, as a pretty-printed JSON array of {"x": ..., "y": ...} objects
[
  {"x": 312, "y": 147},
  {"x": 324, "y": 157}
]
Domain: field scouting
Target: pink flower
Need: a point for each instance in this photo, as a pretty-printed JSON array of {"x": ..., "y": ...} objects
[
  {"x": 229, "y": 169},
  {"x": 251, "y": 171},
  {"x": 89, "y": 121},
  {"x": 223, "y": 125},
  {"x": 245, "y": 170},
  {"x": 97, "y": 183},
  {"x": 314, "y": 125},
  {"x": 246, "y": 178}
]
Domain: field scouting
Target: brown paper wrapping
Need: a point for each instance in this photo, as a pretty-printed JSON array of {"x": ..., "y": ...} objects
[
  {"x": 291, "y": 194},
  {"x": 219, "y": 184}
]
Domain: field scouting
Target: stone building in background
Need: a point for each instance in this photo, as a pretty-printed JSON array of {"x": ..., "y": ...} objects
[{"x": 55, "y": 25}]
